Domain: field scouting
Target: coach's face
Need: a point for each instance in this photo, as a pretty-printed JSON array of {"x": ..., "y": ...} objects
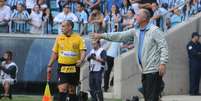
[{"x": 140, "y": 17}]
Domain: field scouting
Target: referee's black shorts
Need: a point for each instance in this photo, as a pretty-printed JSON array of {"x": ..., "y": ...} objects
[{"x": 70, "y": 78}]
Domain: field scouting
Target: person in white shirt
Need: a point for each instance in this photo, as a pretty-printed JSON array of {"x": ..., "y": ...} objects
[
  {"x": 97, "y": 59},
  {"x": 13, "y": 3},
  {"x": 19, "y": 19},
  {"x": 8, "y": 71},
  {"x": 81, "y": 13},
  {"x": 65, "y": 15},
  {"x": 160, "y": 16},
  {"x": 36, "y": 21},
  {"x": 113, "y": 51},
  {"x": 30, "y": 4},
  {"x": 5, "y": 13},
  {"x": 91, "y": 4},
  {"x": 42, "y": 3}
]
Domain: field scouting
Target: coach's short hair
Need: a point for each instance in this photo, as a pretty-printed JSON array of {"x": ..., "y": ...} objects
[{"x": 147, "y": 14}]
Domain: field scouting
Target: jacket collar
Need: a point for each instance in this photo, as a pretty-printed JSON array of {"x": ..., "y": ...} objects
[{"x": 147, "y": 27}]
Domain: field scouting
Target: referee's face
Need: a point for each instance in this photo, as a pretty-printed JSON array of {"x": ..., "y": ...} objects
[{"x": 66, "y": 27}]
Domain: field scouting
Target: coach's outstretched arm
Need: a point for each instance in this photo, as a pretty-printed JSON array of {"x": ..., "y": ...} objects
[{"x": 116, "y": 36}]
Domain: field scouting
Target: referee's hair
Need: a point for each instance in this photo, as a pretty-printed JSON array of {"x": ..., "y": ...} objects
[{"x": 69, "y": 22}]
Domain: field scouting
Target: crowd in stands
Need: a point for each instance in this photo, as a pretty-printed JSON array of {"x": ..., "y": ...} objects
[{"x": 36, "y": 16}]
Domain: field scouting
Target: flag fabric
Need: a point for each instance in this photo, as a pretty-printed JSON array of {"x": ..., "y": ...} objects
[{"x": 47, "y": 94}]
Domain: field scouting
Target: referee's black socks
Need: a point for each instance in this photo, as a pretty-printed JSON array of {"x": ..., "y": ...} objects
[
  {"x": 63, "y": 96},
  {"x": 73, "y": 97}
]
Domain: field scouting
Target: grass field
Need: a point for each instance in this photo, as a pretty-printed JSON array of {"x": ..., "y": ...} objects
[
  {"x": 30, "y": 98},
  {"x": 23, "y": 98}
]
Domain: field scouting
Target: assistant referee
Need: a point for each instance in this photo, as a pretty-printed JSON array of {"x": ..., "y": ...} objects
[{"x": 69, "y": 50}]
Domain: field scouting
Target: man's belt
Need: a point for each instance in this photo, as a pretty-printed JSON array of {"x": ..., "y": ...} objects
[{"x": 68, "y": 69}]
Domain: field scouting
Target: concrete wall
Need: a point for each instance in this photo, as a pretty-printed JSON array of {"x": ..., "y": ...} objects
[
  {"x": 127, "y": 75},
  {"x": 31, "y": 54}
]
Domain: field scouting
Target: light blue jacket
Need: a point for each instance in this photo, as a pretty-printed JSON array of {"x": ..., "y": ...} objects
[{"x": 154, "y": 48}]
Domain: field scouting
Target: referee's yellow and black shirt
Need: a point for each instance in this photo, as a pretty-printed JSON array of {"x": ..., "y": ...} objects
[{"x": 69, "y": 48}]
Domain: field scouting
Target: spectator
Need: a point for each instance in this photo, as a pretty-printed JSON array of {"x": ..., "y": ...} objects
[
  {"x": 73, "y": 5},
  {"x": 111, "y": 2},
  {"x": 157, "y": 14},
  {"x": 113, "y": 19},
  {"x": 91, "y": 4},
  {"x": 5, "y": 13},
  {"x": 8, "y": 71},
  {"x": 19, "y": 19},
  {"x": 135, "y": 4},
  {"x": 133, "y": 1},
  {"x": 199, "y": 5},
  {"x": 81, "y": 13},
  {"x": 160, "y": 2},
  {"x": 29, "y": 5},
  {"x": 96, "y": 20},
  {"x": 193, "y": 7},
  {"x": 148, "y": 1},
  {"x": 36, "y": 20},
  {"x": 126, "y": 5},
  {"x": 42, "y": 3},
  {"x": 61, "y": 4},
  {"x": 65, "y": 15},
  {"x": 175, "y": 18},
  {"x": 13, "y": 3},
  {"x": 159, "y": 17},
  {"x": 194, "y": 54},
  {"x": 97, "y": 59},
  {"x": 103, "y": 6},
  {"x": 128, "y": 20},
  {"x": 175, "y": 3},
  {"x": 82, "y": 16},
  {"x": 113, "y": 51},
  {"x": 179, "y": 4},
  {"x": 47, "y": 19},
  {"x": 109, "y": 5}
]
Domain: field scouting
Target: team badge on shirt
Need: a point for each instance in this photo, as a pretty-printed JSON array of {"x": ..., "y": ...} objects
[
  {"x": 75, "y": 46},
  {"x": 190, "y": 47}
]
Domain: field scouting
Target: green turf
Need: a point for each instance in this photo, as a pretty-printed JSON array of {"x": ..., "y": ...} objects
[{"x": 32, "y": 98}]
